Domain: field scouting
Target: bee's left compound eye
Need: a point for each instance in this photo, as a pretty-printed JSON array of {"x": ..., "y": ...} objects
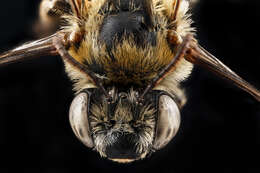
[
  {"x": 79, "y": 119},
  {"x": 168, "y": 122}
]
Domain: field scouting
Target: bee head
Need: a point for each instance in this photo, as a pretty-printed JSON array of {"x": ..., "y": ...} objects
[
  {"x": 123, "y": 129},
  {"x": 132, "y": 123}
]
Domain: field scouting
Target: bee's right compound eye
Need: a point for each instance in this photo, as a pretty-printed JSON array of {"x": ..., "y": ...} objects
[
  {"x": 79, "y": 119},
  {"x": 168, "y": 122}
]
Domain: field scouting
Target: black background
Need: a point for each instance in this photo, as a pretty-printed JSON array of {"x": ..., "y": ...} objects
[{"x": 220, "y": 130}]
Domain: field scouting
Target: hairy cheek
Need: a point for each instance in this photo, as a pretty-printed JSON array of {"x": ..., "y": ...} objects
[{"x": 100, "y": 144}]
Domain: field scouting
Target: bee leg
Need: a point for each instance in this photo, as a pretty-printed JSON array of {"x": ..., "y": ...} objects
[
  {"x": 50, "y": 12},
  {"x": 194, "y": 53}
]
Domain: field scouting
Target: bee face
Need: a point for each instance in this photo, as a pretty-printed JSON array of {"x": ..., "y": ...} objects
[{"x": 124, "y": 130}]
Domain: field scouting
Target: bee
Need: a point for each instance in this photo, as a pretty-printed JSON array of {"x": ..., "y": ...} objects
[{"x": 127, "y": 59}]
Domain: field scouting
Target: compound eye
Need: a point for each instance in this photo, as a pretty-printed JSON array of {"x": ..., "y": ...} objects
[
  {"x": 168, "y": 122},
  {"x": 79, "y": 119}
]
